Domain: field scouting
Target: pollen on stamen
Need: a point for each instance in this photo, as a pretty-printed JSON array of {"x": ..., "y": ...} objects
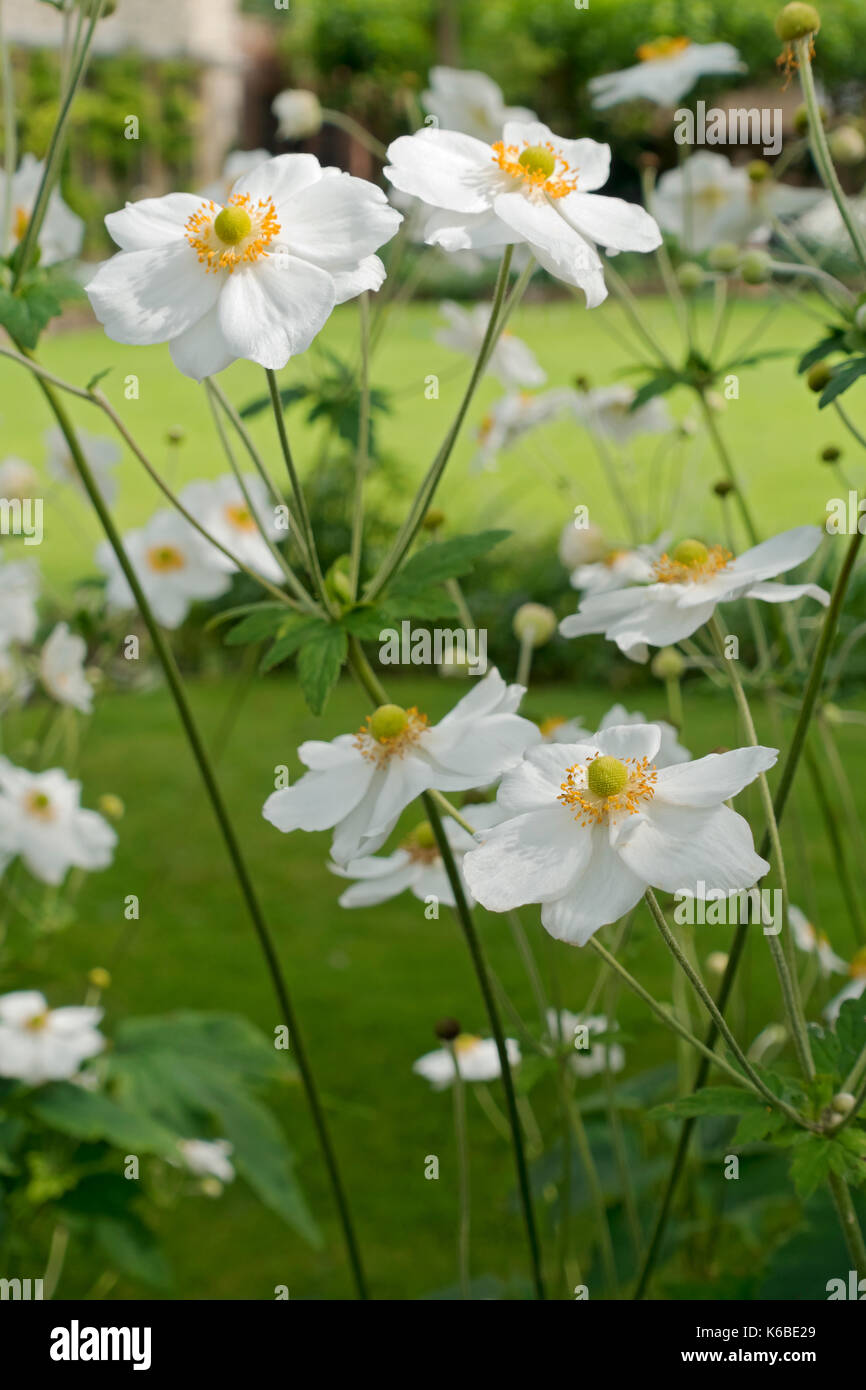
[
  {"x": 589, "y": 808},
  {"x": 542, "y": 167},
  {"x": 379, "y": 746},
  {"x": 236, "y": 244},
  {"x": 688, "y": 564}
]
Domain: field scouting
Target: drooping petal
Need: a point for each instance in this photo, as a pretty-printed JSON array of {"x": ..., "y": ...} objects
[
  {"x": 556, "y": 245},
  {"x": 603, "y": 893},
  {"x": 202, "y": 350},
  {"x": 611, "y": 222},
  {"x": 272, "y": 310},
  {"x": 319, "y": 799},
  {"x": 532, "y": 858},
  {"x": 786, "y": 593}
]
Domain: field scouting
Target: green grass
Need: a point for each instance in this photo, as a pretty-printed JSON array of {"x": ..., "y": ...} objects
[
  {"x": 368, "y": 985},
  {"x": 774, "y": 429}
]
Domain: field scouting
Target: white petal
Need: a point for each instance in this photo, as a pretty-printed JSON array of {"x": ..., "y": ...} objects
[
  {"x": 270, "y": 311},
  {"x": 444, "y": 168},
  {"x": 603, "y": 893},
  {"x": 202, "y": 350},
  {"x": 678, "y": 848},
  {"x": 532, "y": 858},
  {"x": 786, "y": 593},
  {"x": 715, "y": 778},
  {"x": 144, "y": 297},
  {"x": 152, "y": 222},
  {"x": 556, "y": 245},
  {"x": 319, "y": 800},
  {"x": 611, "y": 222}
]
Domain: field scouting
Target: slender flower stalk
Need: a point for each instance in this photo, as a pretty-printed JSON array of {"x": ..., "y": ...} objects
[
  {"x": 462, "y": 1145},
  {"x": 821, "y": 150},
  {"x": 363, "y": 450},
  {"x": 304, "y": 521}
]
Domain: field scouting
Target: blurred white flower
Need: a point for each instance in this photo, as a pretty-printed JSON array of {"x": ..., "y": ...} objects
[
  {"x": 19, "y": 589},
  {"x": 61, "y": 668},
  {"x": 591, "y": 825},
  {"x": 581, "y": 545},
  {"x": 707, "y": 199},
  {"x": 670, "y": 750},
  {"x": 257, "y": 278},
  {"x": 62, "y": 230},
  {"x": 360, "y": 783},
  {"x": 668, "y": 68},
  {"x": 416, "y": 865},
  {"x": 823, "y": 224},
  {"x": 208, "y": 1158},
  {"x": 471, "y": 102},
  {"x": 511, "y": 361},
  {"x": 42, "y": 820},
  {"x": 690, "y": 582},
  {"x": 298, "y": 113},
  {"x": 16, "y": 681},
  {"x": 222, "y": 509},
  {"x": 513, "y": 416},
  {"x": 102, "y": 455},
  {"x": 173, "y": 563},
  {"x": 814, "y": 942},
  {"x": 606, "y": 411},
  {"x": 618, "y": 568},
  {"x": 237, "y": 164},
  {"x": 477, "y": 1058},
  {"x": 852, "y": 990},
  {"x": 39, "y": 1044},
  {"x": 18, "y": 479},
  {"x": 586, "y": 1061},
  {"x": 530, "y": 187}
]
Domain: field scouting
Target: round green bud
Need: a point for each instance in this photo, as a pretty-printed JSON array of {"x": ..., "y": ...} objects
[
  {"x": 668, "y": 664},
  {"x": 797, "y": 21},
  {"x": 99, "y": 977},
  {"x": 337, "y": 580},
  {"x": 831, "y": 453},
  {"x": 175, "y": 435},
  {"x": 447, "y": 1029},
  {"x": 818, "y": 376},
  {"x": 534, "y": 624},
  {"x": 111, "y": 806},
  {"x": 724, "y": 256},
  {"x": 535, "y": 159},
  {"x": 690, "y": 276},
  {"x": 832, "y": 713},
  {"x": 421, "y": 836},
  {"x": 847, "y": 145},
  {"x": 232, "y": 224},
  {"x": 690, "y": 552},
  {"x": 843, "y": 1102},
  {"x": 723, "y": 487},
  {"x": 758, "y": 170},
  {"x": 755, "y": 267},
  {"x": 388, "y": 721},
  {"x": 606, "y": 776},
  {"x": 433, "y": 519},
  {"x": 582, "y": 383}
]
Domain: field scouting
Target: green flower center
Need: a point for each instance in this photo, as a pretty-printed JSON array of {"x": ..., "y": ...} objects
[
  {"x": 606, "y": 776},
  {"x": 537, "y": 160},
  {"x": 421, "y": 836},
  {"x": 690, "y": 553},
  {"x": 388, "y": 722},
  {"x": 233, "y": 224}
]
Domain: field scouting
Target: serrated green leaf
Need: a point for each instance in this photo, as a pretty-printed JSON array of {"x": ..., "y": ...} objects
[
  {"x": 294, "y": 632},
  {"x": 443, "y": 560},
  {"x": 25, "y": 313},
  {"x": 842, "y": 379},
  {"x": 262, "y": 621},
  {"x": 817, "y": 354},
  {"x": 757, "y": 1125},
  {"x": 92, "y": 1115},
  {"x": 712, "y": 1100},
  {"x": 320, "y": 661},
  {"x": 812, "y": 1164}
]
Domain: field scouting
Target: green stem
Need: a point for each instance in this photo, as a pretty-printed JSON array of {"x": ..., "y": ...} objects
[
  {"x": 362, "y": 452},
  {"x": 305, "y": 524},
  {"x": 460, "y": 1139},
  {"x": 584, "y": 1149},
  {"x": 849, "y": 1223},
  {"x": 728, "y": 465},
  {"x": 821, "y": 150}
]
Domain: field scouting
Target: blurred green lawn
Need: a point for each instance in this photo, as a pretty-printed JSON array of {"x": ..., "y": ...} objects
[
  {"x": 774, "y": 429},
  {"x": 368, "y": 985}
]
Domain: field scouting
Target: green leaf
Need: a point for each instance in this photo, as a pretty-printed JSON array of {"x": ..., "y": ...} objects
[
  {"x": 832, "y": 343},
  {"x": 843, "y": 377},
  {"x": 97, "y": 377},
  {"x": 423, "y": 605},
  {"x": 712, "y": 1100},
  {"x": 293, "y": 632},
  {"x": 132, "y": 1248},
  {"x": 262, "y": 621},
  {"x": 757, "y": 1125},
  {"x": 288, "y": 394},
  {"x": 92, "y": 1115},
  {"x": 444, "y": 560},
  {"x": 657, "y": 385},
  {"x": 25, "y": 313},
  {"x": 812, "y": 1163},
  {"x": 320, "y": 660}
]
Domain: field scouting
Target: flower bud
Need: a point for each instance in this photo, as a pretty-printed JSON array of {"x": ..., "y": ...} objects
[
  {"x": 797, "y": 21},
  {"x": 818, "y": 376},
  {"x": 433, "y": 519},
  {"x": 211, "y": 1187},
  {"x": 111, "y": 806},
  {"x": 755, "y": 267},
  {"x": 724, "y": 256},
  {"x": 717, "y": 962},
  {"x": 99, "y": 977},
  {"x": 175, "y": 435},
  {"x": 723, "y": 487},
  {"x": 843, "y": 1102},
  {"x": 758, "y": 170},
  {"x": 298, "y": 114},
  {"x": 337, "y": 580},
  {"x": 668, "y": 664},
  {"x": 447, "y": 1029},
  {"x": 831, "y": 453},
  {"x": 690, "y": 276},
  {"x": 534, "y": 623},
  {"x": 847, "y": 145}
]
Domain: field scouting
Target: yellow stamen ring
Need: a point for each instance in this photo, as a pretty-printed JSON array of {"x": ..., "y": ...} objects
[
  {"x": 540, "y": 166},
  {"x": 242, "y": 231},
  {"x": 607, "y": 788}
]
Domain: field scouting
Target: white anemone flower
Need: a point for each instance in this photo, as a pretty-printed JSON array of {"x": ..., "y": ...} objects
[
  {"x": 707, "y": 199},
  {"x": 606, "y": 411},
  {"x": 592, "y": 825},
  {"x": 257, "y": 278},
  {"x": 18, "y": 479},
  {"x": 42, "y": 820},
  {"x": 238, "y": 163},
  {"x": 689, "y": 583},
  {"x": 39, "y": 1044},
  {"x": 62, "y": 230},
  {"x": 298, "y": 113},
  {"x": 102, "y": 455},
  {"x": 359, "y": 783},
  {"x": 471, "y": 102},
  {"x": 581, "y": 545},
  {"x": 813, "y": 942},
  {"x": 618, "y": 568},
  {"x": 225, "y": 513},
  {"x": 511, "y": 360},
  {"x": 19, "y": 590},
  {"x": 61, "y": 668},
  {"x": 823, "y": 225},
  {"x": 514, "y": 416},
  {"x": 16, "y": 681},
  {"x": 529, "y": 187},
  {"x": 668, "y": 68},
  {"x": 208, "y": 1158},
  {"x": 173, "y": 563},
  {"x": 477, "y": 1059},
  {"x": 854, "y": 989},
  {"x": 670, "y": 750},
  {"x": 589, "y": 1060},
  {"x": 416, "y": 865}
]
